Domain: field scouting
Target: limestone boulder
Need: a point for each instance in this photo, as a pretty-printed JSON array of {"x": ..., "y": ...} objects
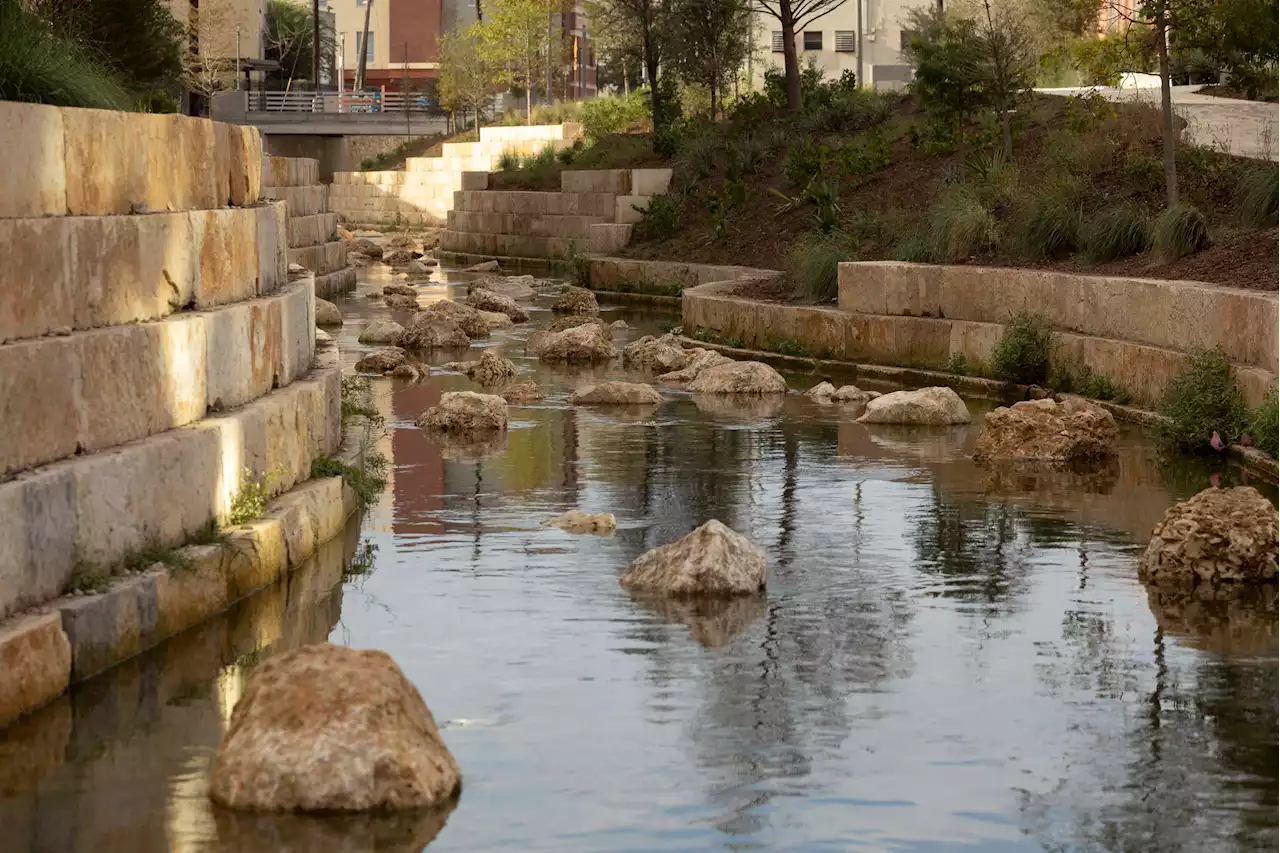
[
  {"x": 576, "y": 300},
  {"x": 491, "y": 369},
  {"x": 585, "y": 344},
  {"x": 573, "y": 321},
  {"x": 619, "y": 326},
  {"x": 521, "y": 392},
  {"x": 512, "y": 287},
  {"x": 661, "y": 355},
  {"x": 367, "y": 248},
  {"x": 1074, "y": 432},
  {"x": 577, "y": 521},
  {"x": 358, "y": 259},
  {"x": 411, "y": 371},
  {"x": 327, "y": 314},
  {"x": 821, "y": 392},
  {"x": 344, "y": 234},
  {"x": 398, "y": 257},
  {"x": 466, "y": 415},
  {"x": 486, "y": 300},
  {"x": 431, "y": 330},
  {"x": 400, "y": 241},
  {"x": 1220, "y": 535},
  {"x": 618, "y": 393},
  {"x": 401, "y": 302},
  {"x": 853, "y": 394},
  {"x": 699, "y": 360},
  {"x": 467, "y": 318},
  {"x": 420, "y": 266},
  {"x": 382, "y": 360},
  {"x": 496, "y": 320},
  {"x": 395, "y": 289},
  {"x": 333, "y": 729},
  {"x": 483, "y": 266},
  {"x": 938, "y": 406},
  {"x": 739, "y": 377},
  {"x": 381, "y": 332},
  {"x": 713, "y": 560}
]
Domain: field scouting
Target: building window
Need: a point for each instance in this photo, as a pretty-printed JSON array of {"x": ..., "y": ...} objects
[
  {"x": 846, "y": 41},
  {"x": 812, "y": 40},
  {"x": 368, "y": 54},
  {"x": 777, "y": 41}
]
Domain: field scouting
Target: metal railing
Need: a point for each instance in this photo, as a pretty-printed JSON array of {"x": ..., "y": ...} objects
[{"x": 371, "y": 101}]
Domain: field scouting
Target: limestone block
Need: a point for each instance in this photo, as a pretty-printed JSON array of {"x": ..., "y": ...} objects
[
  {"x": 37, "y": 402},
  {"x": 272, "y": 247},
  {"x": 334, "y": 283},
  {"x": 305, "y": 514},
  {"x": 33, "y": 169},
  {"x": 107, "y": 154},
  {"x": 301, "y": 201},
  {"x": 246, "y": 174},
  {"x": 38, "y": 520},
  {"x": 36, "y": 296},
  {"x": 108, "y": 627},
  {"x": 35, "y": 663},
  {"x": 188, "y": 595},
  {"x": 323, "y": 259},
  {"x": 242, "y": 357},
  {"x": 297, "y": 329},
  {"x": 181, "y": 164},
  {"x": 630, "y": 208},
  {"x": 312, "y": 230},
  {"x": 650, "y": 181},
  {"x": 474, "y": 181},
  {"x": 290, "y": 171},
  {"x": 228, "y": 257},
  {"x": 609, "y": 237},
  {"x": 254, "y": 556},
  {"x": 218, "y": 164}
]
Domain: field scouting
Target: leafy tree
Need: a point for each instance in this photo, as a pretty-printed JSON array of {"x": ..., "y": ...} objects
[
  {"x": 793, "y": 16},
  {"x": 649, "y": 21},
  {"x": 1008, "y": 58},
  {"x": 619, "y": 48},
  {"x": 516, "y": 38},
  {"x": 467, "y": 79},
  {"x": 289, "y": 37},
  {"x": 947, "y": 56},
  {"x": 715, "y": 38}
]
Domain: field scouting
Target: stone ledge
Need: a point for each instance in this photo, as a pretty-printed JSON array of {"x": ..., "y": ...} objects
[
  {"x": 322, "y": 259},
  {"x": 92, "y": 390},
  {"x": 35, "y": 663},
  {"x": 82, "y": 162},
  {"x": 139, "y": 611},
  {"x": 290, "y": 171},
  {"x": 522, "y": 201},
  {"x": 82, "y": 272},
  {"x": 521, "y": 245},
  {"x": 311, "y": 230},
  {"x": 301, "y": 201},
  {"x": 531, "y": 224},
  {"x": 336, "y": 283},
  {"x": 157, "y": 491}
]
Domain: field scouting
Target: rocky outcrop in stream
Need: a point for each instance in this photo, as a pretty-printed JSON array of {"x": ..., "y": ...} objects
[
  {"x": 431, "y": 330},
  {"x": 739, "y": 377},
  {"x": 1074, "y": 433},
  {"x": 939, "y": 406},
  {"x": 466, "y": 415},
  {"x": 1219, "y": 535},
  {"x": 329, "y": 728},
  {"x": 381, "y": 332},
  {"x": 491, "y": 369},
  {"x": 576, "y": 300},
  {"x": 618, "y": 393},
  {"x": 577, "y": 521},
  {"x": 587, "y": 343},
  {"x": 661, "y": 355},
  {"x": 483, "y": 299},
  {"x": 327, "y": 314},
  {"x": 712, "y": 561}
]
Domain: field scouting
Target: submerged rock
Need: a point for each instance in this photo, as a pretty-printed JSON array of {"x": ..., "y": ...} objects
[
  {"x": 661, "y": 355},
  {"x": 398, "y": 258},
  {"x": 430, "y": 330},
  {"x": 712, "y": 560},
  {"x": 619, "y": 326},
  {"x": 420, "y": 266},
  {"x": 367, "y": 247},
  {"x": 577, "y": 521},
  {"x": 483, "y": 266},
  {"x": 853, "y": 394},
  {"x": 739, "y": 377},
  {"x": 699, "y": 360},
  {"x": 327, "y": 314},
  {"x": 576, "y": 300},
  {"x": 382, "y": 361},
  {"x": 822, "y": 391},
  {"x": 1073, "y": 433},
  {"x": 401, "y": 302},
  {"x": 400, "y": 290},
  {"x": 400, "y": 241},
  {"x": 466, "y": 414},
  {"x": 467, "y": 318},
  {"x": 486, "y": 300},
  {"x": 581, "y": 344},
  {"x": 618, "y": 393},
  {"x": 381, "y": 332},
  {"x": 329, "y": 728},
  {"x": 521, "y": 392},
  {"x": 491, "y": 369},
  {"x": 938, "y": 406},
  {"x": 1218, "y": 535}
]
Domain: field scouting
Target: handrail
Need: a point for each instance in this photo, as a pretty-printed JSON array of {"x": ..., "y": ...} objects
[{"x": 373, "y": 101}]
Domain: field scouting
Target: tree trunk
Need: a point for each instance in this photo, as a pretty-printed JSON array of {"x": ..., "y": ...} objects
[
  {"x": 528, "y": 90},
  {"x": 1006, "y": 127},
  {"x": 789, "y": 58},
  {"x": 363, "y": 48},
  {"x": 1170, "y": 139},
  {"x": 651, "y": 69},
  {"x": 315, "y": 44},
  {"x": 626, "y": 84}
]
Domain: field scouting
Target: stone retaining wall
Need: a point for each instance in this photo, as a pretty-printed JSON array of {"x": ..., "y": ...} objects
[
  {"x": 312, "y": 228},
  {"x": 155, "y": 355}
]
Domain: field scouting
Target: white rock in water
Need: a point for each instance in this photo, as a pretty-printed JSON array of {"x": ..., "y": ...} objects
[
  {"x": 577, "y": 521},
  {"x": 938, "y": 406},
  {"x": 712, "y": 560}
]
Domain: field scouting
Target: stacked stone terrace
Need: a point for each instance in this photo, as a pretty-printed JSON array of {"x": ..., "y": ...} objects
[
  {"x": 153, "y": 347},
  {"x": 423, "y": 193},
  {"x": 593, "y": 212},
  {"x": 311, "y": 227}
]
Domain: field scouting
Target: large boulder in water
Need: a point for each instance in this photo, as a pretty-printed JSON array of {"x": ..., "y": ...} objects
[
  {"x": 397, "y": 289},
  {"x": 466, "y": 414},
  {"x": 491, "y": 369},
  {"x": 382, "y": 360},
  {"x": 430, "y": 330},
  {"x": 486, "y": 300},
  {"x": 576, "y": 300},
  {"x": 712, "y": 560},
  {"x": 1218, "y": 535},
  {"x": 381, "y": 332},
  {"x": 402, "y": 302},
  {"x": 521, "y": 392},
  {"x": 1072, "y": 433},
  {"x": 699, "y": 360},
  {"x": 618, "y": 393},
  {"x": 327, "y": 314},
  {"x": 588, "y": 343},
  {"x": 661, "y": 355},
  {"x": 512, "y": 287},
  {"x": 329, "y": 728},
  {"x": 572, "y": 321},
  {"x": 467, "y": 318},
  {"x": 366, "y": 247},
  {"x": 739, "y": 377},
  {"x": 937, "y": 406}
]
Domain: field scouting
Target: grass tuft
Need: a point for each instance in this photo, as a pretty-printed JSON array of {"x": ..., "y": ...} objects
[
  {"x": 1264, "y": 426},
  {"x": 1257, "y": 195},
  {"x": 962, "y": 225},
  {"x": 814, "y": 265},
  {"x": 1114, "y": 233},
  {"x": 1051, "y": 228},
  {"x": 1179, "y": 231},
  {"x": 41, "y": 65}
]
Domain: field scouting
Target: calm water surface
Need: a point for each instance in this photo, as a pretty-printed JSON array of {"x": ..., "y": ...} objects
[{"x": 944, "y": 661}]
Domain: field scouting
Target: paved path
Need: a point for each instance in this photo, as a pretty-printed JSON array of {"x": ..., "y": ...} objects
[{"x": 1247, "y": 128}]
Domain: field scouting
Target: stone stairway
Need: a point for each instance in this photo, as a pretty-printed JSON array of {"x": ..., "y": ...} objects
[
  {"x": 312, "y": 227},
  {"x": 423, "y": 192},
  {"x": 594, "y": 211}
]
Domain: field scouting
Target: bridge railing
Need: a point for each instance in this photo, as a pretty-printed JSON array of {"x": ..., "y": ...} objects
[{"x": 370, "y": 101}]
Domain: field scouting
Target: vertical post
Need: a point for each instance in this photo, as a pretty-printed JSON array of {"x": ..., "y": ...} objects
[
  {"x": 339, "y": 63},
  {"x": 861, "y": 67},
  {"x": 315, "y": 46},
  {"x": 404, "y": 92}
]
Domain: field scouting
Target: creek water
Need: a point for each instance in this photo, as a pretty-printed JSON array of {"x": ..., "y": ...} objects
[{"x": 945, "y": 660}]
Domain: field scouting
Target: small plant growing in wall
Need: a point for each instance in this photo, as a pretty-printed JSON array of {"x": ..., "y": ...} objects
[
  {"x": 1205, "y": 399},
  {"x": 1025, "y": 350},
  {"x": 251, "y": 498}
]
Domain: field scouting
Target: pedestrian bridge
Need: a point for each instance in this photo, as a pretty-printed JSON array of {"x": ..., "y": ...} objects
[{"x": 304, "y": 113}]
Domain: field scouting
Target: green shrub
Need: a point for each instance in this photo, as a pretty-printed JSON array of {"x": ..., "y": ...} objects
[
  {"x": 509, "y": 161},
  {"x": 961, "y": 225},
  {"x": 1025, "y": 349},
  {"x": 1142, "y": 170},
  {"x": 803, "y": 162},
  {"x": 825, "y": 196},
  {"x": 1099, "y": 387},
  {"x": 699, "y": 155},
  {"x": 814, "y": 265},
  {"x": 866, "y": 154},
  {"x": 846, "y": 111},
  {"x": 745, "y": 155},
  {"x": 958, "y": 364},
  {"x": 251, "y": 498},
  {"x": 1115, "y": 232},
  {"x": 41, "y": 64},
  {"x": 1203, "y": 400},
  {"x": 914, "y": 248},
  {"x": 791, "y": 347},
  {"x": 663, "y": 217},
  {"x": 367, "y": 480},
  {"x": 566, "y": 155},
  {"x": 1264, "y": 426},
  {"x": 1179, "y": 231},
  {"x": 1256, "y": 196},
  {"x": 603, "y": 116},
  {"x": 1051, "y": 228}
]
